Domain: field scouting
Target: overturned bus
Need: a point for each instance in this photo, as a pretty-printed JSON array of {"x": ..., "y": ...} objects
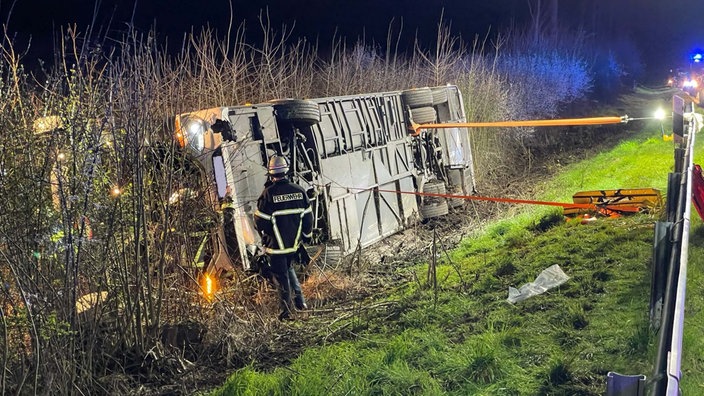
[{"x": 354, "y": 155}]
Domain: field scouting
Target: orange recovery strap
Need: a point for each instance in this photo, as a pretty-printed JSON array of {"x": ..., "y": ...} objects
[{"x": 523, "y": 123}]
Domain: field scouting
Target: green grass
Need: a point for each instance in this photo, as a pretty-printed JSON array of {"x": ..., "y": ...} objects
[
  {"x": 472, "y": 341},
  {"x": 693, "y": 344},
  {"x": 640, "y": 161}
]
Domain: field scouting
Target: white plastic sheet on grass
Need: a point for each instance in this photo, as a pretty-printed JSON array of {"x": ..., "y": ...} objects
[{"x": 549, "y": 278}]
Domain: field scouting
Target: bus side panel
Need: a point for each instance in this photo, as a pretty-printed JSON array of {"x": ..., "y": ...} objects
[{"x": 364, "y": 147}]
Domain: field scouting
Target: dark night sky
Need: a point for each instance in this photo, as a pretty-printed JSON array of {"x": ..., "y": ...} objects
[{"x": 664, "y": 30}]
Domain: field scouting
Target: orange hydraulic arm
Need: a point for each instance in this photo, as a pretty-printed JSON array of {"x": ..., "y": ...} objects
[{"x": 523, "y": 123}]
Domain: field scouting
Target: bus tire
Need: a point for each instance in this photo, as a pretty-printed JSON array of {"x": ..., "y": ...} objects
[
  {"x": 423, "y": 115},
  {"x": 439, "y": 95},
  {"x": 418, "y": 97},
  {"x": 299, "y": 112}
]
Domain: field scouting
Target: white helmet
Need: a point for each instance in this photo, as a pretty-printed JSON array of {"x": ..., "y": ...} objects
[{"x": 278, "y": 166}]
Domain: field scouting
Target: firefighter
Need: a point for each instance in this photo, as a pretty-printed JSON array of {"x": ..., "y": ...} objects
[{"x": 285, "y": 220}]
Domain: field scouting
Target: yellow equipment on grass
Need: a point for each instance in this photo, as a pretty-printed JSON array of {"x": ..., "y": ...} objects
[{"x": 616, "y": 202}]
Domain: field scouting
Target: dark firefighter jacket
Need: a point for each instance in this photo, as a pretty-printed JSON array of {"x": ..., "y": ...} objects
[{"x": 284, "y": 217}]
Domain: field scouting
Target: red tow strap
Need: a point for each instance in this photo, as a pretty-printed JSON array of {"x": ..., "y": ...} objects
[{"x": 605, "y": 209}]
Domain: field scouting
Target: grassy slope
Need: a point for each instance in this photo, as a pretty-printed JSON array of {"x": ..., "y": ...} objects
[{"x": 464, "y": 338}]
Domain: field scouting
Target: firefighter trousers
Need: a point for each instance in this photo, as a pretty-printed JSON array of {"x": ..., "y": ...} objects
[{"x": 285, "y": 274}]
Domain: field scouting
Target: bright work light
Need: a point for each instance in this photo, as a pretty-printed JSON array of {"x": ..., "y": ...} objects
[{"x": 194, "y": 133}]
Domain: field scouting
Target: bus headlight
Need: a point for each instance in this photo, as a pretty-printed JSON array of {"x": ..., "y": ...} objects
[{"x": 194, "y": 130}]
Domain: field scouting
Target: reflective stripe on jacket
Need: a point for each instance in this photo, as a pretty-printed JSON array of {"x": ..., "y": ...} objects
[{"x": 283, "y": 216}]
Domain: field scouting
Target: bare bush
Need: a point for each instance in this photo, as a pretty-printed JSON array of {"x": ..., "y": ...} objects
[
  {"x": 99, "y": 286},
  {"x": 540, "y": 83},
  {"x": 444, "y": 65},
  {"x": 486, "y": 98},
  {"x": 545, "y": 71}
]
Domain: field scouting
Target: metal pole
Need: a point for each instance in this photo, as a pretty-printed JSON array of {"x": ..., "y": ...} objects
[
  {"x": 675, "y": 358},
  {"x": 665, "y": 336}
]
